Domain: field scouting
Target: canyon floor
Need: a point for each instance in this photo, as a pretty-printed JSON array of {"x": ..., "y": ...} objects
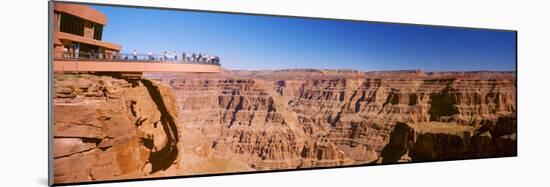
[{"x": 107, "y": 127}]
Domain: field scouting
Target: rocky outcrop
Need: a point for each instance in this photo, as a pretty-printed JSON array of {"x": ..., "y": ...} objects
[
  {"x": 108, "y": 128},
  {"x": 495, "y": 138},
  {"x": 322, "y": 153},
  {"x": 442, "y": 141}
]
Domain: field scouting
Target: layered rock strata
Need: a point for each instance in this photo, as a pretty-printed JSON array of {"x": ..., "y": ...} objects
[
  {"x": 297, "y": 119},
  {"x": 189, "y": 124},
  {"x": 443, "y": 141},
  {"x": 108, "y": 128}
]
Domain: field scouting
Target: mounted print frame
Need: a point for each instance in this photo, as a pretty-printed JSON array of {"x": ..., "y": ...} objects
[{"x": 140, "y": 93}]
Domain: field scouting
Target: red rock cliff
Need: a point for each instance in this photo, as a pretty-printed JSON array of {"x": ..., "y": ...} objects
[
  {"x": 292, "y": 119},
  {"x": 107, "y": 128}
]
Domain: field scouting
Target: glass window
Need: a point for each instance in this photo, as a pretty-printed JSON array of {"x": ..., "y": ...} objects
[
  {"x": 71, "y": 24},
  {"x": 98, "y": 31}
]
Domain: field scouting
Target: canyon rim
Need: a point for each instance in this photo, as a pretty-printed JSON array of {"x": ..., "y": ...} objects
[{"x": 178, "y": 124}]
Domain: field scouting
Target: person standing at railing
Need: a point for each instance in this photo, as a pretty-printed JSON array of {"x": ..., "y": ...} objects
[
  {"x": 207, "y": 58},
  {"x": 76, "y": 52},
  {"x": 186, "y": 56},
  {"x": 76, "y": 48},
  {"x": 65, "y": 52},
  {"x": 134, "y": 53},
  {"x": 150, "y": 55},
  {"x": 183, "y": 58},
  {"x": 175, "y": 54},
  {"x": 92, "y": 54},
  {"x": 165, "y": 55},
  {"x": 71, "y": 52},
  {"x": 73, "y": 47}
]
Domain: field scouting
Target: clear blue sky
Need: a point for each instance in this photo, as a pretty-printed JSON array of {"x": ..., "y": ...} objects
[{"x": 266, "y": 42}]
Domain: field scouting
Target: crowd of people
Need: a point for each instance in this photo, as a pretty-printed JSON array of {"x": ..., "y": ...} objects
[{"x": 186, "y": 57}]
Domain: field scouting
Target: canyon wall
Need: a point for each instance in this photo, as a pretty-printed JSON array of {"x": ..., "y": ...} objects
[
  {"x": 109, "y": 128},
  {"x": 298, "y": 119}
]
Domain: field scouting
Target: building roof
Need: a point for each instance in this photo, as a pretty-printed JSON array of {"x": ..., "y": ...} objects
[{"x": 82, "y": 11}]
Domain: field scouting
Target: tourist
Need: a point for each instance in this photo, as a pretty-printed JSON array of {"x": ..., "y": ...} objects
[
  {"x": 92, "y": 54},
  {"x": 187, "y": 57},
  {"x": 175, "y": 55},
  {"x": 216, "y": 60},
  {"x": 71, "y": 52},
  {"x": 134, "y": 53},
  {"x": 150, "y": 55},
  {"x": 183, "y": 56},
  {"x": 165, "y": 55},
  {"x": 76, "y": 50},
  {"x": 65, "y": 52}
]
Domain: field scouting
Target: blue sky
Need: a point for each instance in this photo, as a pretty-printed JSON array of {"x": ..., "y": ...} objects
[{"x": 266, "y": 42}]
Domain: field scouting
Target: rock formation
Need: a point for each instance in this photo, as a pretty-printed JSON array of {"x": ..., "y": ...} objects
[
  {"x": 189, "y": 124},
  {"x": 431, "y": 141},
  {"x": 107, "y": 128}
]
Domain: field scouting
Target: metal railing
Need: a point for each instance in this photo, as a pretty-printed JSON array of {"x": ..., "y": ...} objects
[{"x": 150, "y": 58}]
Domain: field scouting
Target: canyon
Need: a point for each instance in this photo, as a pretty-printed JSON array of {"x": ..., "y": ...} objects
[{"x": 108, "y": 127}]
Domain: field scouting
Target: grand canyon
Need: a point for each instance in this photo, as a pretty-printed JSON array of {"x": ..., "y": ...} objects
[{"x": 108, "y": 127}]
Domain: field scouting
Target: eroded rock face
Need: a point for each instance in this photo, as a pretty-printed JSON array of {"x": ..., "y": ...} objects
[
  {"x": 429, "y": 141},
  {"x": 107, "y": 128},
  {"x": 296, "y": 119},
  {"x": 246, "y": 118}
]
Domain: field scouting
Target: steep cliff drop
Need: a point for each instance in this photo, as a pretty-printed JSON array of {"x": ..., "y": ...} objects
[
  {"x": 299, "y": 118},
  {"x": 109, "y": 128},
  {"x": 162, "y": 159}
]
